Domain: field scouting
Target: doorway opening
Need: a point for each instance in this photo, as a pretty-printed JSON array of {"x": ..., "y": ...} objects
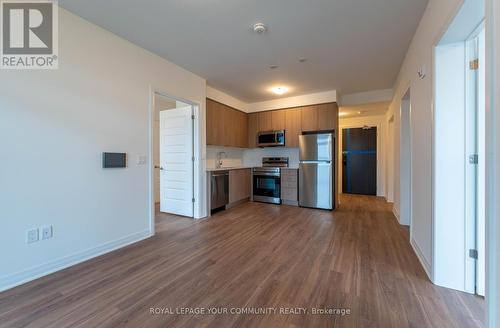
[
  {"x": 173, "y": 156},
  {"x": 405, "y": 160},
  {"x": 359, "y": 161},
  {"x": 459, "y": 153}
]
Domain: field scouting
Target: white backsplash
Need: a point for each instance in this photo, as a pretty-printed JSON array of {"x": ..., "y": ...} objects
[
  {"x": 250, "y": 157},
  {"x": 234, "y": 156},
  {"x": 253, "y": 157}
]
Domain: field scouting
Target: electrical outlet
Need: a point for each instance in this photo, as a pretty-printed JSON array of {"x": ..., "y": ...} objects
[
  {"x": 32, "y": 236},
  {"x": 47, "y": 232}
]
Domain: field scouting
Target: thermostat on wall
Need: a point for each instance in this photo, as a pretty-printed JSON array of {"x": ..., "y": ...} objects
[{"x": 114, "y": 160}]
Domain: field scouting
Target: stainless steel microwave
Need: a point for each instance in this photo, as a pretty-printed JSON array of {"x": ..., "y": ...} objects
[{"x": 271, "y": 139}]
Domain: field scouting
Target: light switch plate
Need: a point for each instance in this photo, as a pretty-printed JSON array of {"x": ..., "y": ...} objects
[
  {"x": 47, "y": 232},
  {"x": 142, "y": 160},
  {"x": 32, "y": 236}
]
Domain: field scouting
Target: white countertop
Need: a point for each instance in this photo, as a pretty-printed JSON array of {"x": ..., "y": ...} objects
[{"x": 217, "y": 169}]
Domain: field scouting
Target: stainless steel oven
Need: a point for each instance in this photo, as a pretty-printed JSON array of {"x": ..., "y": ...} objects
[
  {"x": 266, "y": 180},
  {"x": 271, "y": 139},
  {"x": 266, "y": 185}
]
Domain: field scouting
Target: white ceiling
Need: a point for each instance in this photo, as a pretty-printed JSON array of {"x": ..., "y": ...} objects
[{"x": 350, "y": 45}]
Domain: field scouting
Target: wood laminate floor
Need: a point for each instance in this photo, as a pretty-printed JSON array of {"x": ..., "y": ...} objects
[{"x": 253, "y": 256}]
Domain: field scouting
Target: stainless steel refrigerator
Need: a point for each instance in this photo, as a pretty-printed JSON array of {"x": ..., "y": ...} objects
[{"x": 316, "y": 171}]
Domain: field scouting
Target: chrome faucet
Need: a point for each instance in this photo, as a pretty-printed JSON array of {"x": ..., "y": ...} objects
[{"x": 219, "y": 158}]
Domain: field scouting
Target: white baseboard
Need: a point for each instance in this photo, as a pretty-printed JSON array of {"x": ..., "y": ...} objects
[
  {"x": 19, "y": 278},
  {"x": 421, "y": 258},
  {"x": 396, "y": 214}
]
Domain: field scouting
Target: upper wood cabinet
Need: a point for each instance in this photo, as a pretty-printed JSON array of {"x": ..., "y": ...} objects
[
  {"x": 226, "y": 126},
  {"x": 327, "y": 116},
  {"x": 293, "y": 128},
  {"x": 215, "y": 123},
  {"x": 278, "y": 120},
  {"x": 265, "y": 121},
  {"x": 253, "y": 129},
  {"x": 309, "y": 116}
]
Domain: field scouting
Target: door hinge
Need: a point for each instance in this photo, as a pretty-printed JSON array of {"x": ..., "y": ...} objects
[
  {"x": 474, "y": 64},
  {"x": 474, "y": 159},
  {"x": 192, "y": 159},
  {"x": 193, "y": 200},
  {"x": 192, "y": 117},
  {"x": 473, "y": 253}
]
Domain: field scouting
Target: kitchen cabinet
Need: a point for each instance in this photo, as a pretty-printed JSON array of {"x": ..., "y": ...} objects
[
  {"x": 229, "y": 127},
  {"x": 213, "y": 123},
  {"x": 226, "y": 126},
  {"x": 278, "y": 120},
  {"x": 253, "y": 129},
  {"x": 309, "y": 117},
  {"x": 293, "y": 127},
  {"x": 265, "y": 121},
  {"x": 289, "y": 186},
  {"x": 239, "y": 185},
  {"x": 327, "y": 116}
]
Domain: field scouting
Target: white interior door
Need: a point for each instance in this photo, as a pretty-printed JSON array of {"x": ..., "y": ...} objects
[{"x": 176, "y": 161}]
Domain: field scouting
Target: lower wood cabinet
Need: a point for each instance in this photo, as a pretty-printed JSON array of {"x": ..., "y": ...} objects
[
  {"x": 239, "y": 185},
  {"x": 290, "y": 186}
]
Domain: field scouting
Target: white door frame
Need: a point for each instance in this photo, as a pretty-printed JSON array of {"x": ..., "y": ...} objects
[
  {"x": 410, "y": 159},
  {"x": 197, "y": 166},
  {"x": 492, "y": 165}
]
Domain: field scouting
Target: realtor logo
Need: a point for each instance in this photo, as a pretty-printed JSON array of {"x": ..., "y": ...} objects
[{"x": 29, "y": 34}]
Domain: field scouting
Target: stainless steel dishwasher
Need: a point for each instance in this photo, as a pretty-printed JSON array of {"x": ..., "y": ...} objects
[{"x": 219, "y": 183}]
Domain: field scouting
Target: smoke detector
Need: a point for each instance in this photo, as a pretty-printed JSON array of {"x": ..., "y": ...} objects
[{"x": 259, "y": 28}]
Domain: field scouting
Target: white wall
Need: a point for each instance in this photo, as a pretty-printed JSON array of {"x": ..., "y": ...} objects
[
  {"x": 433, "y": 24},
  {"x": 404, "y": 204},
  {"x": 358, "y": 122},
  {"x": 226, "y": 99},
  {"x": 389, "y": 155},
  {"x": 288, "y": 102},
  {"x": 367, "y": 97},
  {"x": 54, "y": 126},
  {"x": 253, "y": 157},
  {"x": 250, "y": 157},
  {"x": 233, "y": 156}
]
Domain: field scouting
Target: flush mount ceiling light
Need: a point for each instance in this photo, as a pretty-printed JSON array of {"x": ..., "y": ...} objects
[
  {"x": 259, "y": 28},
  {"x": 273, "y": 66},
  {"x": 302, "y": 59},
  {"x": 279, "y": 90}
]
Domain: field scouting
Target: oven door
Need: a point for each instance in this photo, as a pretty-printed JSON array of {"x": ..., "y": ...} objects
[{"x": 267, "y": 187}]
